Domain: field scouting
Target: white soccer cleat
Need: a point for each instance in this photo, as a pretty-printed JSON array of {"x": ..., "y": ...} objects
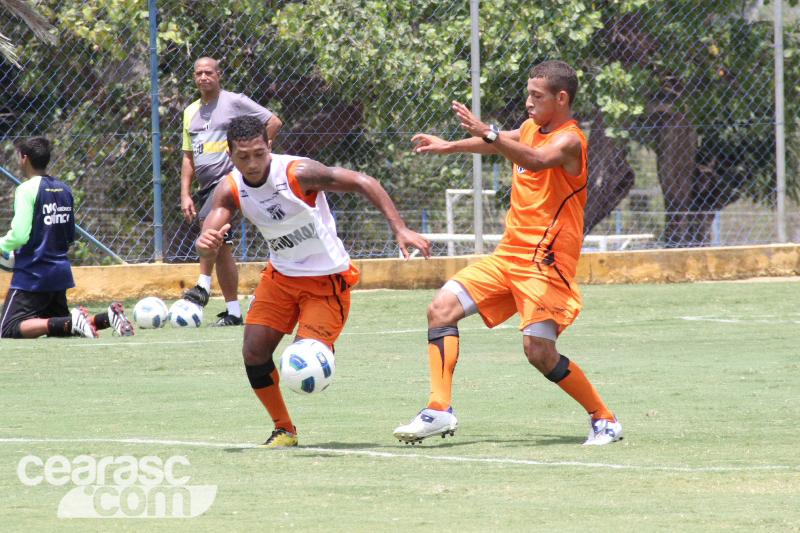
[
  {"x": 428, "y": 422},
  {"x": 116, "y": 316},
  {"x": 603, "y": 432},
  {"x": 81, "y": 327}
]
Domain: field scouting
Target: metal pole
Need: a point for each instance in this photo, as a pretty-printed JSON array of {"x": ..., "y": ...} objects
[
  {"x": 450, "y": 218},
  {"x": 156, "y": 129},
  {"x": 80, "y": 230},
  {"x": 477, "y": 176},
  {"x": 780, "y": 131}
]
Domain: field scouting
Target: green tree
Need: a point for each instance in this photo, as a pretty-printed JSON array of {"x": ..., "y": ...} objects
[
  {"x": 37, "y": 24},
  {"x": 685, "y": 77},
  {"x": 354, "y": 79}
]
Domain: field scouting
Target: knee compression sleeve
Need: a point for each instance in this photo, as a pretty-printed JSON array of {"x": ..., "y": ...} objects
[
  {"x": 260, "y": 375},
  {"x": 560, "y": 371}
]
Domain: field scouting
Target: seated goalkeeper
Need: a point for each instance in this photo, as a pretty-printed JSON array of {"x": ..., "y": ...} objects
[
  {"x": 309, "y": 275},
  {"x": 42, "y": 230}
]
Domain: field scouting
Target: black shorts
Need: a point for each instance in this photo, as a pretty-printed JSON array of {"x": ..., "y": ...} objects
[
  {"x": 205, "y": 198},
  {"x": 23, "y": 305}
]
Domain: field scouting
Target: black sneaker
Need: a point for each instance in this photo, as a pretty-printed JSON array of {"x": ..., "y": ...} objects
[
  {"x": 226, "y": 319},
  {"x": 197, "y": 295}
]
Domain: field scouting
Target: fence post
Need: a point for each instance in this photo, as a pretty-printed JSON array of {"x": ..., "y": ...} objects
[
  {"x": 450, "y": 224},
  {"x": 243, "y": 238},
  {"x": 780, "y": 132},
  {"x": 716, "y": 229},
  {"x": 477, "y": 171},
  {"x": 156, "y": 129}
]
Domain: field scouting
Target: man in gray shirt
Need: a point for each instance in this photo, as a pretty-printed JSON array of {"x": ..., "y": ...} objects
[{"x": 205, "y": 124}]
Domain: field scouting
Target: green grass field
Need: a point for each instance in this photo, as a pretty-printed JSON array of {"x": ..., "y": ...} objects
[{"x": 704, "y": 377}]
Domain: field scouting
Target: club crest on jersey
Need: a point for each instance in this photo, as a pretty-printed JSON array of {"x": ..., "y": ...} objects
[
  {"x": 521, "y": 170},
  {"x": 276, "y": 212}
]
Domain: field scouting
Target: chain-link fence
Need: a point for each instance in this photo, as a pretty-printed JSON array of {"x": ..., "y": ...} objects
[{"x": 677, "y": 99}]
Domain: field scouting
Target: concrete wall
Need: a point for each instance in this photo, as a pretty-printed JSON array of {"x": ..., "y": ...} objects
[{"x": 123, "y": 282}]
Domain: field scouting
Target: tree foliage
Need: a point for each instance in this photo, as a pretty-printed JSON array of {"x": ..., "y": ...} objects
[{"x": 354, "y": 79}]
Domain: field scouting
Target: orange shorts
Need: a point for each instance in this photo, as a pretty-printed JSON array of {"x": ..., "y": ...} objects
[
  {"x": 320, "y": 304},
  {"x": 502, "y": 286}
]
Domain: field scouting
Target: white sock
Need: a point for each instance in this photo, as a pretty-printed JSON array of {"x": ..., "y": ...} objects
[
  {"x": 205, "y": 282},
  {"x": 233, "y": 308}
]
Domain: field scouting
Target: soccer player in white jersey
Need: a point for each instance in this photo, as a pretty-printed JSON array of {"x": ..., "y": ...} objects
[{"x": 309, "y": 275}]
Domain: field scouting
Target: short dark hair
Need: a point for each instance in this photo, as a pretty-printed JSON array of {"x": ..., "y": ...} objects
[
  {"x": 37, "y": 149},
  {"x": 244, "y": 129},
  {"x": 559, "y": 76}
]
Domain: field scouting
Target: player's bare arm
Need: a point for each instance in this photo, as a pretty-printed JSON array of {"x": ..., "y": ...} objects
[
  {"x": 187, "y": 171},
  {"x": 272, "y": 127},
  {"x": 564, "y": 151},
  {"x": 314, "y": 176},
  {"x": 217, "y": 222},
  {"x": 472, "y": 145}
]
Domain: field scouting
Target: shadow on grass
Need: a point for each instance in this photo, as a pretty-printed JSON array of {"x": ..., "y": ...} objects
[
  {"x": 344, "y": 445},
  {"x": 430, "y": 443},
  {"x": 312, "y": 447},
  {"x": 534, "y": 440},
  {"x": 238, "y": 450}
]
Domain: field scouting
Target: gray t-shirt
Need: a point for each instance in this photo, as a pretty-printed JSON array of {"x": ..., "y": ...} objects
[{"x": 205, "y": 133}]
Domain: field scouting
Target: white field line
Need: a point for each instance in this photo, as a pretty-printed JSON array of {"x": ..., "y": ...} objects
[
  {"x": 767, "y": 319},
  {"x": 389, "y": 455},
  {"x": 228, "y": 340}
]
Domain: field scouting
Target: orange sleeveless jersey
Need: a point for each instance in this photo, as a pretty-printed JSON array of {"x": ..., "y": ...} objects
[{"x": 545, "y": 221}]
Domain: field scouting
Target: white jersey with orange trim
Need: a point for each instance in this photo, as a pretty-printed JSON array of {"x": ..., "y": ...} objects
[{"x": 299, "y": 229}]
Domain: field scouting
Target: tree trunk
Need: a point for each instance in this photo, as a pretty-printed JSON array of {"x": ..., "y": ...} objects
[
  {"x": 687, "y": 221},
  {"x": 610, "y": 176}
]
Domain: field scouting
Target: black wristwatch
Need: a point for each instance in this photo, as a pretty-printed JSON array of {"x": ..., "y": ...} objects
[{"x": 492, "y": 135}]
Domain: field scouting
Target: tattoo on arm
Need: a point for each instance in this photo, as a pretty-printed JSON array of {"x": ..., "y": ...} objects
[{"x": 313, "y": 176}]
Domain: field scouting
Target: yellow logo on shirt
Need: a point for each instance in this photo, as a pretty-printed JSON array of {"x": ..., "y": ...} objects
[{"x": 215, "y": 147}]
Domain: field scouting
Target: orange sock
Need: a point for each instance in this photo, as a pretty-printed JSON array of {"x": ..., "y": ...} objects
[
  {"x": 265, "y": 385},
  {"x": 574, "y": 382},
  {"x": 442, "y": 358}
]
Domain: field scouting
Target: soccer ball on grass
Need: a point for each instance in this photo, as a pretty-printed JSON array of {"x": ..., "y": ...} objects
[
  {"x": 307, "y": 366},
  {"x": 185, "y": 314},
  {"x": 150, "y": 313}
]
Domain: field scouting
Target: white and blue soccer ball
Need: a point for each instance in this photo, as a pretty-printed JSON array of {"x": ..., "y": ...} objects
[
  {"x": 150, "y": 313},
  {"x": 185, "y": 314},
  {"x": 307, "y": 366},
  {"x": 7, "y": 261}
]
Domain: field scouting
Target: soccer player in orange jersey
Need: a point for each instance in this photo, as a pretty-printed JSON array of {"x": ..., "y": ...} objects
[{"x": 532, "y": 271}]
